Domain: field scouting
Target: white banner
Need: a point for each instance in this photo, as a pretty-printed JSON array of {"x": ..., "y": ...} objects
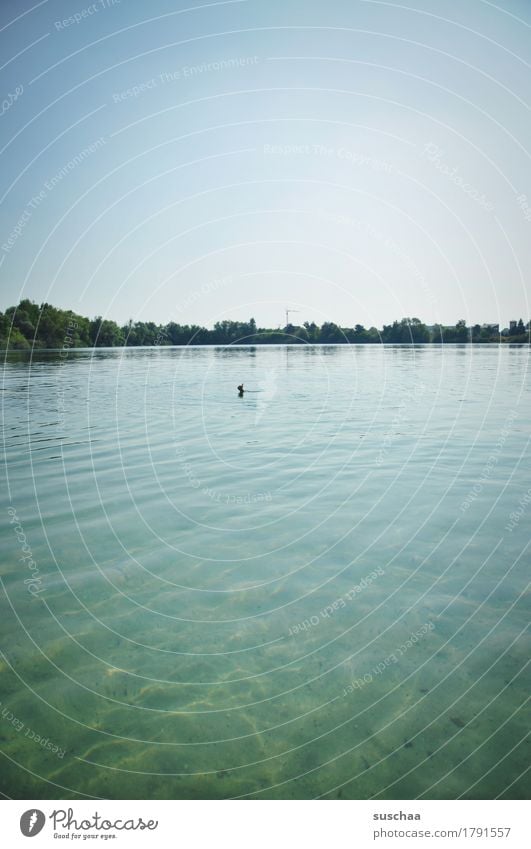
[{"x": 265, "y": 824}]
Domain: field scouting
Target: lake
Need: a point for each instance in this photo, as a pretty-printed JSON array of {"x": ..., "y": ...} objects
[{"x": 316, "y": 590}]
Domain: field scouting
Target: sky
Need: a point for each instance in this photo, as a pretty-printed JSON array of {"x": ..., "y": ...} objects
[{"x": 357, "y": 161}]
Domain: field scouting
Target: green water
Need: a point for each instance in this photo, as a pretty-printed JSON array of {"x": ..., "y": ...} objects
[{"x": 316, "y": 590}]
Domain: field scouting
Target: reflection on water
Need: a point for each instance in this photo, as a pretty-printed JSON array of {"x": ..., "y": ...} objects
[{"x": 313, "y": 590}]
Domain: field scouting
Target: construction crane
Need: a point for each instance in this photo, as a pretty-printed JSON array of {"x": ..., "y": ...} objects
[{"x": 287, "y": 315}]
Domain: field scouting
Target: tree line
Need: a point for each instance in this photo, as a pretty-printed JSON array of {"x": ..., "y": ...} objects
[{"x": 30, "y": 325}]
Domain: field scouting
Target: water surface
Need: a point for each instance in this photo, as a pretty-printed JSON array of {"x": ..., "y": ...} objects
[{"x": 316, "y": 590}]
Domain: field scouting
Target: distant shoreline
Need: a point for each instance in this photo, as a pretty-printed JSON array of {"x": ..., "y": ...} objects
[
  {"x": 30, "y": 326},
  {"x": 214, "y": 346}
]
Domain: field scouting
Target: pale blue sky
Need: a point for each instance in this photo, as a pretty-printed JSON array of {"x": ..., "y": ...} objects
[{"x": 358, "y": 161}]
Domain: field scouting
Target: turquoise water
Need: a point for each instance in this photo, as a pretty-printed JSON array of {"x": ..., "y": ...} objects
[{"x": 316, "y": 590}]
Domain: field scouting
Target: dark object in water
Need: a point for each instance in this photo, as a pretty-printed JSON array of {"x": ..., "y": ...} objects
[
  {"x": 240, "y": 390},
  {"x": 457, "y": 721}
]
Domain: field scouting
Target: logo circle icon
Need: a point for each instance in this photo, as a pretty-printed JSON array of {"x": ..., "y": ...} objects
[{"x": 32, "y": 822}]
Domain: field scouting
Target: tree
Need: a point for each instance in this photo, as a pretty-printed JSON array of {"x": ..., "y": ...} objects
[
  {"x": 419, "y": 332},
  {"x": 12, "y": 339},
  {"x": 437, "y": 333},
  {"x": 461, "y": 331},
  {"x": 312, "y": 331},
  {"x": 105, "y": 333},
  {"x": 301, "y": 333},
  {"x": 360, "y": 334},
  {"x": 51, "y": 327},
  {"x": 330, "y": 333}
]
